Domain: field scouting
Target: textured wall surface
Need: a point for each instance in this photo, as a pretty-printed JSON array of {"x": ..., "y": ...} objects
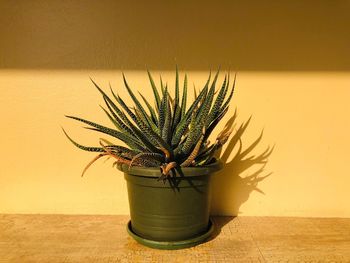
[
  {"x": 304, "y": 114},
  {"x": 245, "y": 35},
  {"x": 293, "y": 61}
]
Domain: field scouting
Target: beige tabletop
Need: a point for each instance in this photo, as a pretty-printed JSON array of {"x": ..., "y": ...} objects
[{"x": 91, "y": 238}]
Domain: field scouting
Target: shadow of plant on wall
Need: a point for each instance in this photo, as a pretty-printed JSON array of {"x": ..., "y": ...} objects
[{"x": 230, "y": 189}]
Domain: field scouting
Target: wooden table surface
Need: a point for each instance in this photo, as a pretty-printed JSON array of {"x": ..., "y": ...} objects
[{"x": 91, "y": 238}]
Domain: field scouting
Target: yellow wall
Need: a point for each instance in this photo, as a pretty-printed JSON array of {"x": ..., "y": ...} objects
[
  {"x": 293, "y": 60},
  {"x": 122, "y": 34},
  {"x": 306, "y": 115}
]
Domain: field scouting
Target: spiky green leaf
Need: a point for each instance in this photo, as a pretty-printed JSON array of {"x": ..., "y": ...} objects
[
  {"x": 183, "y": 124},
  {"x": 137, "y": 103},
  {"x": 184, "y": 98},
  {"x": 151, "y": 110},
  {"x": 162, "y": 110},
  {"x": 217, "y": 104},
  {"x": 146, "y": 134},
  {"x": 119, "y": 135},
  {"x": 154, "y": 88},
  {"x": 166, "y": 131},
  {"x": 231, "y": 94},
  {"x": 82, "y": 147}
]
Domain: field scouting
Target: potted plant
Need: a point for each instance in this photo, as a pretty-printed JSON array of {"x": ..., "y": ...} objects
[{"x": 167, "y": 159}]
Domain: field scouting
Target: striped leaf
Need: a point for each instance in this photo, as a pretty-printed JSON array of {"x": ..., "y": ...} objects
[
  {"x": 169, "y": 134},
  {"x": 154, "y": 88},
  {"x": 151, "y": 110},
  {"x": 206, "y": 105},
  {"x": 183, "y": 125},
  {"x": 217, "y": 104},
  {"x": 166, "y": 131},
  {"x": 231, "y": 94},
  {"x": 162, "y": 110},
  {"x": 124, "y": 127},
  {"x": 214, "y": 123},
  {"x": 194, "y": 152},
  {"x": 137, "y": 102},
  {"x": 140, "y": 133},
  {"x": 146, "y": 134},
  {"x": 121, "y": 136},
  {"x": 184, "y": 98},
  {"x": 82, "y": 147},
  {"x": 148, "y": 159}
]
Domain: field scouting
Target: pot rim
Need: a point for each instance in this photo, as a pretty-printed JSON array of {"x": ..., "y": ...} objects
[{"x": 186, "y": 171}]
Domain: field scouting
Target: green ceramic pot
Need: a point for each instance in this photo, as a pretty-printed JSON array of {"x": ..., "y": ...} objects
[{"x": 164, "y": 214}]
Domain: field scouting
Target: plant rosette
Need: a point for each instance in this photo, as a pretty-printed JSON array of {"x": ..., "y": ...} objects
[{"x": 167, "y": 159}]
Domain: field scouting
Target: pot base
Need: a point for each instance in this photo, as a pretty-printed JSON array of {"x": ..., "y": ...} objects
[{"x": 171, "y": 245}]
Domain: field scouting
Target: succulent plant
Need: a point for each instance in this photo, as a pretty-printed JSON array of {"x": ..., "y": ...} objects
[{"x": 170, "y": 134}]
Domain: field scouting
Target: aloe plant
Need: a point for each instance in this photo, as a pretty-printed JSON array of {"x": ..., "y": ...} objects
[{"x": 168, "y": 135}]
